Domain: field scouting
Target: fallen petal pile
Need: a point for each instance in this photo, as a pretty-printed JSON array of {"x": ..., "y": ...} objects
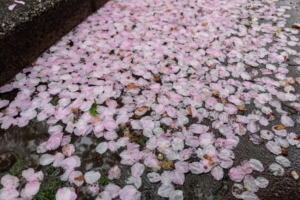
[{"x": 144, "y": 76}]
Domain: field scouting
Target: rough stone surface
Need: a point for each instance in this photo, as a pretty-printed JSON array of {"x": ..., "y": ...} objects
[{"x": 30, "y": 29}]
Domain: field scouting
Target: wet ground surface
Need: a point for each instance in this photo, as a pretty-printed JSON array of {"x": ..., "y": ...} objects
[
  {"x": 20, "y": 143},
  {"x": 196, "y": 186}
]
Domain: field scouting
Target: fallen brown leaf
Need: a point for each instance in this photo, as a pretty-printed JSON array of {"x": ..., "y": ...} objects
[
  {"x": 141, "y": 109},
  {"x": 156, "y": 78},
  {"x": 215, "y": 93},
  {"x": 296, "y": 26},
  {"x": 280, "y": 127},
  {"x": 284, "y": 151},
  {"x": 131, "y": 86},
  {"x": 297, "y": 137},
  {"x": 79, "y": 178},
  {"x": 189, "y": 110},
  {"x": 127, "y": 134},
  {"x": 166, "y": 164},
  {"x": 224, "y": 102},
  {"x": 240, "y": 107}
]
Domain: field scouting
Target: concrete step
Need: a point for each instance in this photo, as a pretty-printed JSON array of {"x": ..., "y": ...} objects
[{"x": 30, "y": 29}]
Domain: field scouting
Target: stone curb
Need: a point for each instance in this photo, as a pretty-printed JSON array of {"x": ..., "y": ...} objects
[{"x": 29, "y": 38}]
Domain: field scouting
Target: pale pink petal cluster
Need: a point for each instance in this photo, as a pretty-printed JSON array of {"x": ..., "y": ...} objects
[
  {"x": 65, "y": 193},
  {"x": 91, "y": 177},
  {"x": 10, "y": 185},
  {"x": 33, "y": 183},
  {"x": 12, "y": 6}
]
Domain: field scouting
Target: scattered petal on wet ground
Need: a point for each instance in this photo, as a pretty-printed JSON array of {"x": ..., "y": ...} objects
[{"x": 143, "y": 76}]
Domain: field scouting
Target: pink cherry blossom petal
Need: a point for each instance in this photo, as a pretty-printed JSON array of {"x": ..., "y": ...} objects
[
  {"x": 283, "y": 161},
  {"x": 12, "y": 6},
  {"x": 178, "y": 177},
  {"x": 196, "y": 168},
  {"x": 3, "y": 103},
  {"x": 20, "y": 2},
  {"x": 30, "y": 189},
  {"x": 129, "y": 192},
  {"x": 104, "y": 196},
  {"x": 273, "y": 147},
  {"x": 265, "y": 134},
  {"x": 9, "y": 181},
  {"x": 256, "y": 165},
  {"x": 249, "y": 196},
  {"x": 261, "y": 182},
  {"x": 237, "y": 174},
  {"x": 249, "y": 184},
  {"x": 136, "y": 181},
  {"x": 46, "y": 159},
  {"x": 153, "y": 177},
  {"x": 217, "y": 173},
  {"x": 91, "y": 177},
  {"x": 114, "y": 173},
  {"x": 198, "y": 128},
  {"x": 101, "y": 147},
  {"x": 137, "y": 169},
  {"x": 76, "y": 178},
  {"x": 113, "y": 190},
  {"x": 286, "y": 120},
  {"x": 65, "y": 194},
  {"x": 165, "y": 190},
  {"x": 176, "y": 195}
]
